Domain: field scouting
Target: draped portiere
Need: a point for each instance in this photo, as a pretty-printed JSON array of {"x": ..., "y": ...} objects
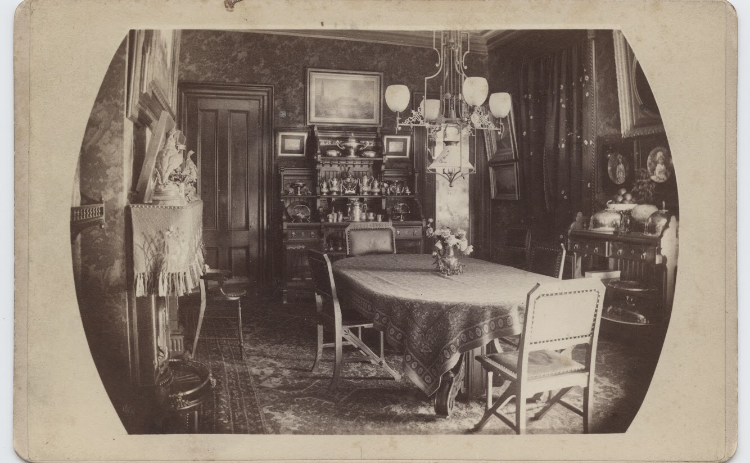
[{"x": 554, "y": 91}]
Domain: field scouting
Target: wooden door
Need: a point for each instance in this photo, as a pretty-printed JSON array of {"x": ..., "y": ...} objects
[{"x": 229, "y": 128}]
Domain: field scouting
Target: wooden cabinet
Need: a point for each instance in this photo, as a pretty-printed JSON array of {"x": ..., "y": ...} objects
[
  {"x": 314, "y": 215},
  {"x": 647, "y": 263}
]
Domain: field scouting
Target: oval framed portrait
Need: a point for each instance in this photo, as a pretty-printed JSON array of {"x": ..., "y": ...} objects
[
  {"x": 618, "y": 168},
  {"x": 659, "y": 164}
]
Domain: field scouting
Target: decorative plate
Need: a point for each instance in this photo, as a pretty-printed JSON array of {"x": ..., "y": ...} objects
[
  {"x": 298, "y": 212},
  {"x": 618, "y": 168},
  {"x": 659, "y": 164}
]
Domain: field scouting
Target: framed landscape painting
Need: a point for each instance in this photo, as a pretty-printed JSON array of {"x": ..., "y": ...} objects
[{"x": 344, "y": 98}]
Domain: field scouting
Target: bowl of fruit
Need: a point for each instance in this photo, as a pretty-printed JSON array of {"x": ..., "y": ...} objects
[{"x": 622, "y": 201}]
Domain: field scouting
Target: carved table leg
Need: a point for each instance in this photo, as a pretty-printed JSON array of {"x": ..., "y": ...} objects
[{"x": 450, "y": 383}]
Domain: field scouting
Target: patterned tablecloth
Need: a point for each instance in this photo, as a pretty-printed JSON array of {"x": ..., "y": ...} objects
[{"x": 435, "y": 318}]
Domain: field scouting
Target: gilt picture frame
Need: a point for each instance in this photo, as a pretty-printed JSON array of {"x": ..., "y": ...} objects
[
  {"x": 153, "y": 59},
  {"x": 348, "y": 98},
  {"x": 639, "y": 114},
  {"x": 397, "y": 146},
  {"x": 505, "y": 181},
  {"x": 291, "y": 142}
]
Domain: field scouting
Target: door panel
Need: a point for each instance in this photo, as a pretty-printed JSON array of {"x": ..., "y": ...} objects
[{"x": 232, "y": 136}]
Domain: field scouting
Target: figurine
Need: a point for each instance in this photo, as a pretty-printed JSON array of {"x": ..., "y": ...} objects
[
  {"x": 335, "y": 186},
  {"x": 169, "y": 158}
]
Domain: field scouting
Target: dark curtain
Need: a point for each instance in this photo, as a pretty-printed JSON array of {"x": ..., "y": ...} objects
[{"x": 554, "y": 89}]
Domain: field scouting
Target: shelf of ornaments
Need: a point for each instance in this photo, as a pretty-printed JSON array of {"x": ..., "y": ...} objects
[{"x": 329, "y": 161}]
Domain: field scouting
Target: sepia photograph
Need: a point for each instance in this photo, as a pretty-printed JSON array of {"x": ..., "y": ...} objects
[
  {"x": 354, "y": 234},
  {"x": 241, "y": 280}
]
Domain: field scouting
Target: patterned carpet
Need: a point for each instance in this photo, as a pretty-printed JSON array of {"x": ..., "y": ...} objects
[{"x": 273, "y": 391}]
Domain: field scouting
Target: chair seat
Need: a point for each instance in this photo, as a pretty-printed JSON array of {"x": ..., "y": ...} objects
[
  {"x": 541, "y": 363},
  {"x": 233, "y": 290}
]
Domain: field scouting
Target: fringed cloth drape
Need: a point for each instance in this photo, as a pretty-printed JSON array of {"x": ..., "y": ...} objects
[{"x": 167, "y": 248}]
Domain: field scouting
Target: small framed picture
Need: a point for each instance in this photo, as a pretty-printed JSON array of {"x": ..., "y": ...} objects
[
  {"x": 397, "y": 146},
  {"x": 504, "y": 181},
  {"x": 291, "y": 143}
]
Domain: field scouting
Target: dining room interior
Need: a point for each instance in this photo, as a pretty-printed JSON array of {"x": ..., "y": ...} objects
[{"x": 375, "y": 232}]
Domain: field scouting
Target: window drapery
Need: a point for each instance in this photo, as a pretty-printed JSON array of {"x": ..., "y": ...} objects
[{"x": 554, "y": 91}]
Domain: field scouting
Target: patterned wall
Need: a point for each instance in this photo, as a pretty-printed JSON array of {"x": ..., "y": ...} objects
[
  {"x": 282, "y": 61},
  {"x": 103, "y": 169}
]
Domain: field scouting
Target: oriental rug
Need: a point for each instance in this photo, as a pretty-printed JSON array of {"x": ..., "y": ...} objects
[{"x": 273, "y": 391}]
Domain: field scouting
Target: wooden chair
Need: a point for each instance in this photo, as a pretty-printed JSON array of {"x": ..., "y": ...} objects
[
  {"x": 559, "y": 316},
  {"x": 513, "y": 249},
  {"x": 364, "y": 238},
  {"x": 216, "y": 290},
  {"x": 547, "y": 260},
  {"x": 341, "y": 322}
]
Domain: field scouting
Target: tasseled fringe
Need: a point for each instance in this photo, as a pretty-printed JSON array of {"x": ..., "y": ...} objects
[{"x": 169, "y": 284}]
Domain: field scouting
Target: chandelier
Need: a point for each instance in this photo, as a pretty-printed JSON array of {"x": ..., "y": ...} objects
[{"x": 458, "y": 112}]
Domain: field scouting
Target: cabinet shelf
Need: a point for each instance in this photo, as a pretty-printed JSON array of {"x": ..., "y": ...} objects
[
  {"x": 364, "y": 196},
  {"x": 320, "y": 234}
]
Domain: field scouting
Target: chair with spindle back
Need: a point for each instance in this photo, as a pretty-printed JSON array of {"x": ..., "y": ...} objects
[
  {"x": 559, "y": 316},
  {"x": 341, "y": 321}
]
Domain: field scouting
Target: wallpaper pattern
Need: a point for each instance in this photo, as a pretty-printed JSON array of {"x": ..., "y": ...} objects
[
  {"x": 282, "y": 61},
  {"x": 102, "y": 282}
]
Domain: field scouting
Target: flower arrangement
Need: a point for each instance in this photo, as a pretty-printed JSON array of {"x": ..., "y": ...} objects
[{"x": 447, "y": 246}]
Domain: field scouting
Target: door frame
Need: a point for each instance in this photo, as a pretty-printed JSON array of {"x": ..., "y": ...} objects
[{"x": 186, "y": 89}]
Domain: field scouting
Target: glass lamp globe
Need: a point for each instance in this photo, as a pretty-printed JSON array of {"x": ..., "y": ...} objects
[
  {"x": 475, "y": 90},
  {"x": 397, "y": 97},
  {"x": 500, "y": 104},
  {"x": 431, "y": 110}
]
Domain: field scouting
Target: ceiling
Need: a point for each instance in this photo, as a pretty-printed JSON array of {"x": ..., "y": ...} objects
[{"x": 481, "y": 41}]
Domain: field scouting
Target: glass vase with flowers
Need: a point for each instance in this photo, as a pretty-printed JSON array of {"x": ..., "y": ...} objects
[{"x": 448, "y": 246}]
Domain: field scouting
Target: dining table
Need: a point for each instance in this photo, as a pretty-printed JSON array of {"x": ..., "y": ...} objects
[{"x": 434, "y": 319}]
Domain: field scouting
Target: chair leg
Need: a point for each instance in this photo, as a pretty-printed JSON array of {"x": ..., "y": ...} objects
[
  {"x": 521, "y": 410},
  {"x": 507, "y": 395},
  {"x": 551, "y": 402},
  {"x": 382, "y": 350},
  {"x": 319, "y": 351},
  {"x": 371, "y": 355},
  {"x": 337, "y": 361},
  {"x": 239, "y": 330},
  {"x": 490, "y": 376},
  {"x": 588, "y": 401}
]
